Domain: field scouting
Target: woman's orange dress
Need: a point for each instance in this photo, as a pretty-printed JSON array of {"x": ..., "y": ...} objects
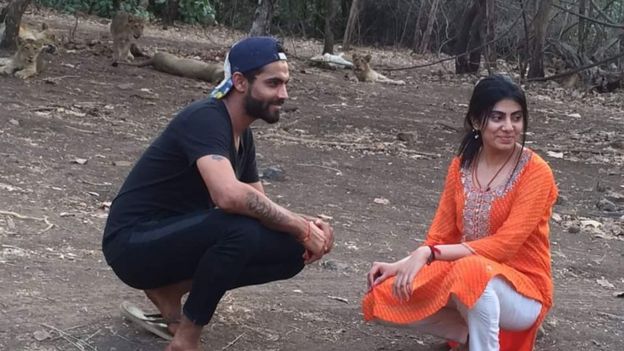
[{"x": 506, "y": 228}]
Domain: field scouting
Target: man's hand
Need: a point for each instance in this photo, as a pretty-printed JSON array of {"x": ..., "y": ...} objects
[{"x": 323, "y": 233}]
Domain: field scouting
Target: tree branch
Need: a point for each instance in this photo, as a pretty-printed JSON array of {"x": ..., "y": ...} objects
[
  {"x": 458, "y": 55},
  {"x": 606, "y": 24},
  {"x": 576, "y": 70}
]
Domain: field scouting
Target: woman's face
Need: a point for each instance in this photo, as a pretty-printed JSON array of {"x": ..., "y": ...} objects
[{"x": 504, "y": 126}]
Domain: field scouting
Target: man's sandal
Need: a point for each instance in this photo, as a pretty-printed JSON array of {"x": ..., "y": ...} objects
[{"x": 153, "y": 323}]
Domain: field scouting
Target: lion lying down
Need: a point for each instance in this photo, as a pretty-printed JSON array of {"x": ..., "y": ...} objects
[
  {"x": 365, "y": 73},
  {"x": 28, "y": 59},
  {"x": 184, "y": 67}
]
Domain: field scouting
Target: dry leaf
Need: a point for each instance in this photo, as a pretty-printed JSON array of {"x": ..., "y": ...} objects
[
  {"x": 605, "y": 283},
  {"x": 590, "y": 223},
  {"x": 554, "y": 154},
  {"x": 325, "y": 217},
  {"x": 41, "y": 335},
  {"x": 381, "y": 201}
]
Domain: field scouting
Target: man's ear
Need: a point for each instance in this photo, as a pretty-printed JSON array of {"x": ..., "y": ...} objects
[{"x": 239, "y": 82}]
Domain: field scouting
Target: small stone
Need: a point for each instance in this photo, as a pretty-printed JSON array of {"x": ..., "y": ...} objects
[
  {"x": 407, "y": 137},
  {"x": 80, "y": 161},
  {"x": 616, "y": 198},
  {"x": 41, "y": 335},
  {"x": 332, "y": 265},
  {"x": 574, "y": 229},
  {"x": 273, "y": 173},
  {"x": 606, "y": 206},
  {"x": 618, "y": 144},
  {"x": 14, "y": 122}
]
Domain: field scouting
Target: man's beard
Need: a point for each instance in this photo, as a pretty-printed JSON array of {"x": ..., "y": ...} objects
[{"x": 261, "y": 108}]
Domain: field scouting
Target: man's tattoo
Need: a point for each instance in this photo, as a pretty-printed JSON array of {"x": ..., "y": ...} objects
[
  {"x": 217, "y": 157},
  {"x": 264, "y": 209}
]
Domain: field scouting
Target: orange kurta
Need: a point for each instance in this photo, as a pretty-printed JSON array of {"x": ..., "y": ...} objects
[{"x": 516, "y": 247}]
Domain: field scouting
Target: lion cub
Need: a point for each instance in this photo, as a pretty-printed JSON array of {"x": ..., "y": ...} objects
[
  {"x": 125, "y": 30},
  {"x": 365, "y": 73},
  {"x": 28, "y": 61}
]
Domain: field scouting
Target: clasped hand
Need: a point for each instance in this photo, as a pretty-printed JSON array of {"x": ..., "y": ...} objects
[
  {"x": 320, "y": 242},
  {"x": 403, "y": 270}
]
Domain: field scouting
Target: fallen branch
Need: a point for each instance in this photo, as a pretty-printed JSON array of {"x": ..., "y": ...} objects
[
  {"x": 76, "y": 342},
  {"x": 232, "y": 342},
  {"x": 20, "y": 216}
]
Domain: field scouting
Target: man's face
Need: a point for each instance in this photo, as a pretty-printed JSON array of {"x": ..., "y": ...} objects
[{"x": 267, "y": 93}]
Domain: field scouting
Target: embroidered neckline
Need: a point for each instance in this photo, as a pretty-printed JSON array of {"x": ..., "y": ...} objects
[{"x": 478, "y": 202}]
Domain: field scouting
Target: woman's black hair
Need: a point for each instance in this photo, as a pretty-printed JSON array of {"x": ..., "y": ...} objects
[{"x": 487, "y": 93}]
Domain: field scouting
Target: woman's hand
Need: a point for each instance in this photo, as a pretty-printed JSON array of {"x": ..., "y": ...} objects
[
  {"x": 406, "y": 270},
  {"x": 379, "y": 272}
]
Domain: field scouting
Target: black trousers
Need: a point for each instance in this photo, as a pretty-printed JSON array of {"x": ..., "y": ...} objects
[{"x": 218, "y": 251}]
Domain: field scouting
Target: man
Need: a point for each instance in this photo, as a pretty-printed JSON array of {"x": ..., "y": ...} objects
[{"x": 192, "y": 215}]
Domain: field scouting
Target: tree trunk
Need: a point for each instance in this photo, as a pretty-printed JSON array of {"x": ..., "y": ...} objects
[
  {"x": 582, "y": 27},
  {"x": 490, "y": 33},
  {"x": 262, "y": 19},
  {"x": 353, "y": 18},
  {"x": 116, "y": 5},
  {"x": 424, "y": 43},
  {"x": 14, "y": 12},
  {"x": 418, "y": 33},
  {"x": 468, "y": 38},
  {"x": 536, "y": 66},
  {"x": 171, "y": 13},
  {"x": 330, "y": 14}
]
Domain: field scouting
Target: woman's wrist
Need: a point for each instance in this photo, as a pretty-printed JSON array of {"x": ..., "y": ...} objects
[{"x": 422, "y": 253}]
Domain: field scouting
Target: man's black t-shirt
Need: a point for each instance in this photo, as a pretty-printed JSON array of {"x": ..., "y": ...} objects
[{"x": 165, "y": 181}]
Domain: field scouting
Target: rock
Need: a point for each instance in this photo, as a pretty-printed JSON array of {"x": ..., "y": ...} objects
[
  {"x": 332, "y": 265},
  {"x": 606, "y": 206},
  {"x": 616, "y": 198},
  {"x": 574, "y": 229},
  {"x": 14, "y": 122},
  {"x": 618, "y": 144},
  {"x": 407, "y": 137},
  {"x": 273, "y": 173}
]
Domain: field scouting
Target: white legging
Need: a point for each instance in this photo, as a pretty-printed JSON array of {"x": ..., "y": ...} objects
[{"x": 500, "y": 306}]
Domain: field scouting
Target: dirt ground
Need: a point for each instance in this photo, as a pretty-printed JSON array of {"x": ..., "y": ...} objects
[{"x": 373, "y": 157}]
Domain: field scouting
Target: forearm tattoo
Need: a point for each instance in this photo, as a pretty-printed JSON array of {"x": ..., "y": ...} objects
[
  {"x": 265, "y": 209},
  {"x": 217, "y": 157}
]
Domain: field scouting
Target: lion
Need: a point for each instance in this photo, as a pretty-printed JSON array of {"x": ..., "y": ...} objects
[
  {"x": 28, "y": 59},
  {"x": 183, "y": 67},
  {"x": 125, "y": 30},
  {"x": 365, "y": 73}
]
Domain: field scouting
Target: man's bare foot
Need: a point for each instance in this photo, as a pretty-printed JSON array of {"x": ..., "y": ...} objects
[
  {"x": 187, "y": 337},
  {"x": 168, "y": 301}
]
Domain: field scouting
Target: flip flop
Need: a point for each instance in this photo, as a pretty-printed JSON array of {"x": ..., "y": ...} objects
[{"x": 153, "y": 323}]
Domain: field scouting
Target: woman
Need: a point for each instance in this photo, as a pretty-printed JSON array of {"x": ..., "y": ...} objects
[{"x": 482, "y": 278}]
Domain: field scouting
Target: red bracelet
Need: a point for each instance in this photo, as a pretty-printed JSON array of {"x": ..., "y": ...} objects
[{"x": 432, "y": 256}]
